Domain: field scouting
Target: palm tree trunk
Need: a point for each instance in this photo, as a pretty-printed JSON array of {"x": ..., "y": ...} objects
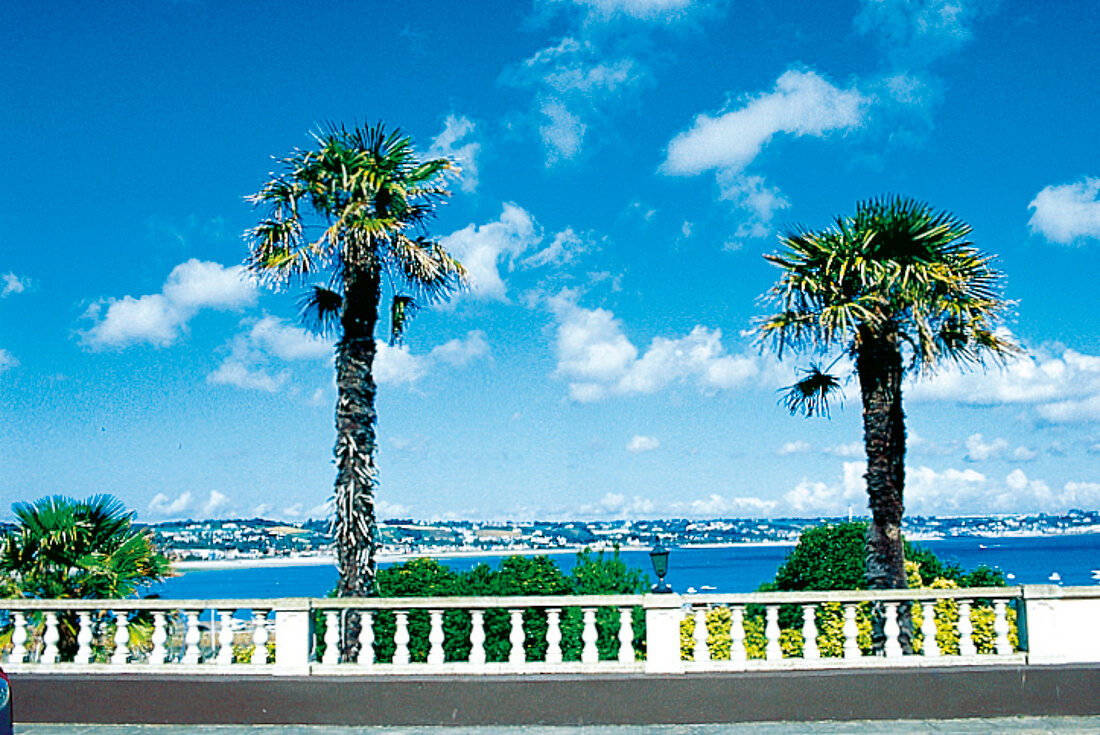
[
  {"x": 355, "y": 530},
  {"x": 879, "y": 366}
]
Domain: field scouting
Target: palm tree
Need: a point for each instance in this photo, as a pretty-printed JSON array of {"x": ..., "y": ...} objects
[
  {"x": 352, "y": 212},
  {"x": 65, "y": 548},
  {"x": 899, "y": 289},
  {"x": 78, "y": 549}
]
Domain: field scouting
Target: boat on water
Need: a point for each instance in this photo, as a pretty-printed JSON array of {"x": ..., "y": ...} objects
[{"x": 1055, "y": 577}]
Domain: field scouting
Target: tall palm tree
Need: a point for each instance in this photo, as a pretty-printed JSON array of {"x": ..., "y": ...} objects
[
  {"x": 352, "y": 212},
  {"x": 899, "y": 289}
]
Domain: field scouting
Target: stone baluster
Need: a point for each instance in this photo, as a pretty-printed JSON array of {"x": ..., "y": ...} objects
[
  {"x": 809, "y": 633},
  {"x": 773, "y": 651},
  {"x": 477, "y": 637},
  {"x": 159, "y": 638},
  {"x": 332, "y": 638},
  {"x": 966, "y": 630},
  {"x": 260, "y": 637},
  {"x": 435, "y": 638},
  {"x": 122, "y": 638},
  {"x": 50, "y": 638},
  {"x": 18, "y": 638},
  {"x": 401, "y": 638},
  {"x": 851, "y": 632},
  {"x": 84, "y": 638},
  {"x": 737, "y": 633},
  {"x": 191, "y": 638},
  {"x": 366, "y": 639},
  {"x": 626, "y": 635},
  {"x": 891, "y": 629},
  {"x": 225, "y": 637},
  {"x": 1003, "y": 645},
  {"x": 553, "y": 636},
  {"x": 516, "y": 654},
  {"x": 590, "y": 654},
  {"x": 928, "y": 629},
  {"x": 702, "y": 650}
]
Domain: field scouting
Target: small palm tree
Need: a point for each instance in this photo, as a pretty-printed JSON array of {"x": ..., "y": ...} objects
[
  {"x": 899, "y": 289},
  {"x": 352, "y": 212},
  {"x": 65, "y": 548},
  {"x": 78, "y": 549}
]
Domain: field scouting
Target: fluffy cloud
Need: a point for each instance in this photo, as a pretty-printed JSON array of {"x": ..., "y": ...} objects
[
  {"x": 399, "y": 366},
  {"x": 189, "y": 505},
  {"x": 1067, "y": 213},
  {"x": 648, "y": 10},
  {"x": 13, "y": 284},
  {"x": 915, "y": 34},
  {"x": 160, "y": 319},
  {"x": 1059, "y": 386},
  {"x": 639, "y": 443},
  {"x": 847, "y": 451},
  {"x": 484, "y": 249},
  {"x": 255, "y": 354},
  {"x": 802, "y": 103},
  {"x": 598, "y": 359},
  {"x": 795, "y": 447},
  {"x": 978, "y": 450},
  {"x": 575, "y": 82},
  {"x": 756, "y": 199},
  {"x": 510, "y": 242},
  {"x": 449, "y": 143}
]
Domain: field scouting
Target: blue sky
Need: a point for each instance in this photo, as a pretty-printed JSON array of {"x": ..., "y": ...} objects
[{"x": 626, "y": 164}]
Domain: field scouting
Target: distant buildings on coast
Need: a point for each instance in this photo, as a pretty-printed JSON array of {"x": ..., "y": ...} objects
[{"x": 259, "y": 538}]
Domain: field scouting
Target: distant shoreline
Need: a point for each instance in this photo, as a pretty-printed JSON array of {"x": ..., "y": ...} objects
[{"x": 320, "y": 560}]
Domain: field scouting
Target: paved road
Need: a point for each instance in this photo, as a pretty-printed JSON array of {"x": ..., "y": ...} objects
[{"x": 1011, "y": 725}]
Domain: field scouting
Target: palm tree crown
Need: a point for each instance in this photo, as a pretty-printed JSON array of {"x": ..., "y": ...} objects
[
  {"x": 896, "y": 267},
  {"x": 353, "y": 212},
  {"x": 899, "y": 288}
]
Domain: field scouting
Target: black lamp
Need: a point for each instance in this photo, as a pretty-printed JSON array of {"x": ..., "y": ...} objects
[{"x": 659, "y": 557}]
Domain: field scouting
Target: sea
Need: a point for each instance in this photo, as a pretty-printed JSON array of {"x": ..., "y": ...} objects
[{"x": 1071, "y": 560}]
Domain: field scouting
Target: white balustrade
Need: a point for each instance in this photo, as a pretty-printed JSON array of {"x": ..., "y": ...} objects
[
  {"x": 201, "y": 636},
  {"x": 122, "y": 638}
]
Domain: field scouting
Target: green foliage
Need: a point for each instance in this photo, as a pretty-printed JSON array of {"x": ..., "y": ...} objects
[
  {"x": 66, "y": 548},
  {"x": 592, "y": 574}
]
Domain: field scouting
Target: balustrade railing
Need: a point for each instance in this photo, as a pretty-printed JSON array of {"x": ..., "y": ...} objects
[{"x": 626, "y": 633}]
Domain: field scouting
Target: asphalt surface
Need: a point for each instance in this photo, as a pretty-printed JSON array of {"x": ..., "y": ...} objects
[{"x": 1012, "y": 725}]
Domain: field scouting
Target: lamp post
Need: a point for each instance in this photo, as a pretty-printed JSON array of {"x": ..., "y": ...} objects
[{"x": 659, "y": 557}]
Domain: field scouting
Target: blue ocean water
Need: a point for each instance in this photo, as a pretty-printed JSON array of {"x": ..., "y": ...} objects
[{"x": 1074, "y": 559}]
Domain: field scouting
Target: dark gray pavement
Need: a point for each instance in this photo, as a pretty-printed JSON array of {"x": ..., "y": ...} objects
[{"x": 1011, "y": 725}]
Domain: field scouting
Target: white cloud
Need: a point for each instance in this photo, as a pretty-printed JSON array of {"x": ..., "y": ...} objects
[
  {"x": 253, "y": 354},
  {"x": 13, "y": 284},
  {"x": 564, "y": 248},
  {"x": 978, "y": 450},
  {"x": 484, "y": 249},
  {"x": 460, "y": 352},
  {"x": 716, "y": 505},
  {"x": 7, "y": 360},
  {"x": 574, "y": 82},
  {"x": 457, "y": 128},
  {"x": 915, "y": 34},
  {"x": 639, "y": 443},
  {"x": 1067, "y": 213},
  {"x": 1024, "y": 454},
  {"x": 847, "y": 451},
  {"x": 598, "y": 359},
  {"x": 1059, "y": 385},
  {"x": 160, "y": 319},
  {"x": 795, "y": 447},
  {"x": 397, "y": 365},
  {"x": 759, "y": 201},
  {"x": 188, "y": 505},
  {"x": 649, "y": 10},
  {"x": 617, "y": 505},
  {"x": 802, "y": 103}
]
